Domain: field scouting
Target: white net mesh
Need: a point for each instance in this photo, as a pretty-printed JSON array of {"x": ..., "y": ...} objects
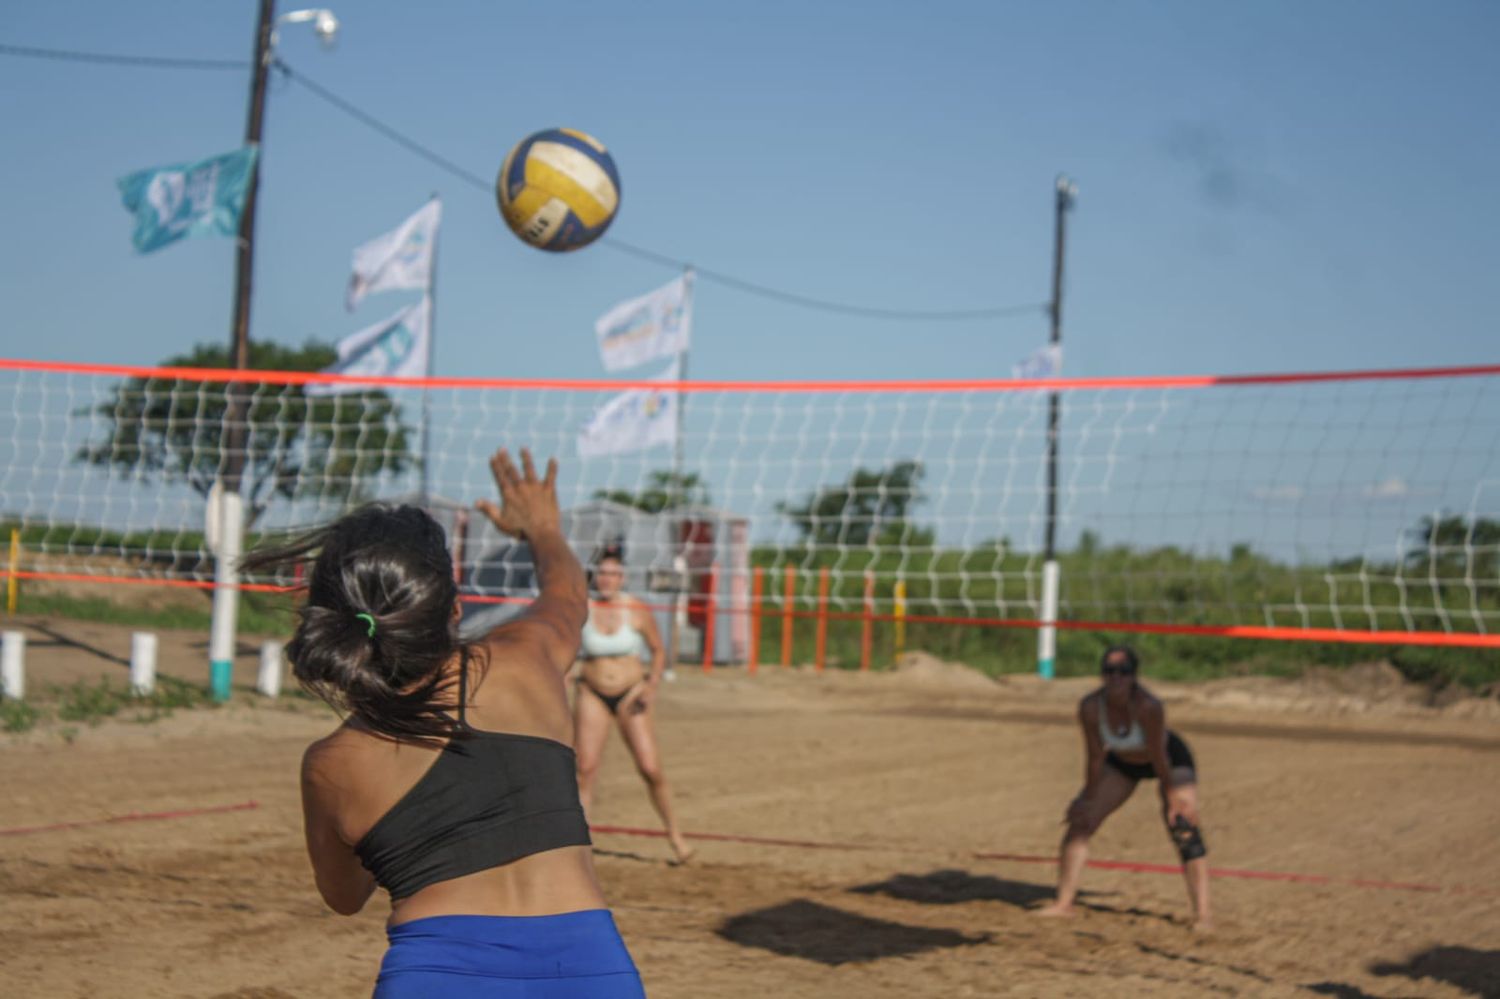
[{"x": 1354, "y": 504}]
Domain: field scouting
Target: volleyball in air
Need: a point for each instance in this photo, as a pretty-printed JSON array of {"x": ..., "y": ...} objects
[{"x": 558, "y": 189}]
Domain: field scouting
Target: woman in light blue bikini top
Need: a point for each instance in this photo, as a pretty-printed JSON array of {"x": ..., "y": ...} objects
[
  {"x": 618, "y": 674},
  {"x": 623, "y": 641}
]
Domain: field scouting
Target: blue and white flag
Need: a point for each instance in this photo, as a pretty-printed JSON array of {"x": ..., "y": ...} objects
[
  {"x": 634, "y": 420},
  {"x": 400, "y": 259},
  {"x": 398, "y": 347},
  {"x": 1044, "y": 362},
  {"x": 646, "y": 328},
  {"x": 188, "y": 199}
]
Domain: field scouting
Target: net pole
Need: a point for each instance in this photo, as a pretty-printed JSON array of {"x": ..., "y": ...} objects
[
  {"x": 1046, "y": 656},
  {"x": 235, "y": 432},
  {"x": 674, "y": 494}
]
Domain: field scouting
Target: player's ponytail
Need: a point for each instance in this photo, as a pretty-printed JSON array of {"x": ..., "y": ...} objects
[{"x": 378, "y": 624}]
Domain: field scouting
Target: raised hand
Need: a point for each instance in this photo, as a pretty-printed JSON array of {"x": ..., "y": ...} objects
[{"x": 528, "y": 505}]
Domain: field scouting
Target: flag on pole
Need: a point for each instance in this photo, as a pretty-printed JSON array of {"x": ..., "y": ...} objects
[
  {"x": 634, "y": 420},
  {"x": 1044, "y": 362},
  {"x": 204, "y": 198},
  {"x": 646, "y": 328},
  {"x": 398, "y": 260},
  {"x": 394, "y": 348}
]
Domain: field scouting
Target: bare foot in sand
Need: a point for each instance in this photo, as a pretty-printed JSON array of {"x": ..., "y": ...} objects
[
  {"x": 682, "y": 851},
  {"x": 1055, "y": 910}
]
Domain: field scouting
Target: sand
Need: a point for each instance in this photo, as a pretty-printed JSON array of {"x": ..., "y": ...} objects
[{"x": 891, "y": 789}]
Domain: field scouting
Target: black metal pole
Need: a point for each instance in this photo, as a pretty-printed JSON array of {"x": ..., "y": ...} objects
[
  {"x": 1065, "y": 192},
  {"x": 232, "y": 462}
]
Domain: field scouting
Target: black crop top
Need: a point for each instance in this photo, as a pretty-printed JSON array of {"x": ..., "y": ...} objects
[{"x": 489, "y": 799}]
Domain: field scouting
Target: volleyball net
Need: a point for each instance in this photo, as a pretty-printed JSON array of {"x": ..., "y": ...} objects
[{"x": 1348, "y": 507}]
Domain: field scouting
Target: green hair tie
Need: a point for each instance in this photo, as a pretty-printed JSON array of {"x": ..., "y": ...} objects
[{"x": 366, "y": 617}]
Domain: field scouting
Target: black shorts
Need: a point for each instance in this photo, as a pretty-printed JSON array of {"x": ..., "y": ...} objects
[{"x": 1178, "y": 757}]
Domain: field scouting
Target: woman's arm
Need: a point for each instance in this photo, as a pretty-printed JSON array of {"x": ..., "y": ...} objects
[
  {"x": 528, "y": 510},
  {"x": 342, "y": 880},
  {"x": 1093, "y": 766},
  {"x": 645, "y": 623}
]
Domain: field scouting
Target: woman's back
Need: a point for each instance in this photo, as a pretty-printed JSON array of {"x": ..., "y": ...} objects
[{"x": 517, "y": 758}]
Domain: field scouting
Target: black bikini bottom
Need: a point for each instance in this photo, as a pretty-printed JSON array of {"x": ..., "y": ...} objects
[{"x": 611, "y": 701}]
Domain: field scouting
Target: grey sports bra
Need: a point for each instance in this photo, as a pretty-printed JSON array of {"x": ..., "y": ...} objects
[
  {"x": 1133, "y": 740},
  {"x": 623, "y": 641}
]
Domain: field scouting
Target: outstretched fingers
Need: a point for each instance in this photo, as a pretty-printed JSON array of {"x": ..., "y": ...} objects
[{"x": 504, "y": 470}]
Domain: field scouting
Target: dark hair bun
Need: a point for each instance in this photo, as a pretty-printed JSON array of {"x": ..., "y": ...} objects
[{"x": 391, "y": 565}]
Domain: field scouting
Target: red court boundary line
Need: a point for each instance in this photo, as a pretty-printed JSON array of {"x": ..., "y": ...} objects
[
  {"x": 1247, "y": 631},
  {"x": 181, "y": 813},
  {"x": 1133, "y": 867},
  {"x": 801, "y": 844},
  {"x": 875, "y": 386}
]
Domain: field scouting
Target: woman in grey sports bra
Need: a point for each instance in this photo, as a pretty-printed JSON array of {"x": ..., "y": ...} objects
[
  {"x": 1125, "y": 730},
  {"x": 614, "y": 682}
]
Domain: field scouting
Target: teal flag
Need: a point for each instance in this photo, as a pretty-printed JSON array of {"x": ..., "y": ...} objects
[{"x": 188, "y": 199}]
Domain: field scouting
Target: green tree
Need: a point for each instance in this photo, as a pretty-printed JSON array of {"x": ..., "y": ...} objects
[
  {"x": 664, "y": 490},
  {"x": 871, "y": 505},
  {"x": 297, "y": 444},
  {"x": 1456, "y": 547}
]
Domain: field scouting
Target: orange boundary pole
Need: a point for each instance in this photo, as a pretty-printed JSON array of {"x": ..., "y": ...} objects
[
  {"x": 867, "y": 626},
  {"x": 822, "y": 618},
  {"x": 899, "y": 616},
  {"x": 10, "y": 574},
  {"x": 709, "y": 613},
  {"x": 757, "y": 581},
  {"x": 789, "y": 581}
]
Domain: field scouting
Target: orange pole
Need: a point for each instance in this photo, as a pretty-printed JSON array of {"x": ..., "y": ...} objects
[
  {"x": 708, "y": 618},
  {"x": 789, "y": 578},
  {"x": 867, "y": 629},
  {"x": 822, "y": 618},
  {"x": 757, "y": 580}
]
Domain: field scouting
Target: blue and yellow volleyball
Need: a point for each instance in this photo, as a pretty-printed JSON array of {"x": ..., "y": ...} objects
[{"x": 558, "y": 189}]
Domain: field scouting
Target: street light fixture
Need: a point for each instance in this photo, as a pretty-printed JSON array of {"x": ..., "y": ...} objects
[{"x": 324, "y": 23}]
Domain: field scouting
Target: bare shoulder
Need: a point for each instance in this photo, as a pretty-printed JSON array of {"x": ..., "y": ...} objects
[
  {"x": 1149, "y": 705},
  {"x": 640, "y": 611},
  {"x": 325, "y": 760},
  {"x": 1088, "y": 707},
  {"x": 513, "y": 689}
]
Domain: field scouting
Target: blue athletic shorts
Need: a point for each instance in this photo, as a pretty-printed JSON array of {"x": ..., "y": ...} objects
[{"x": 575, "y": 954}]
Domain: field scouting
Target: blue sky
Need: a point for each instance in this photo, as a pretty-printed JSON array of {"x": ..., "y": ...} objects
[{"x": 1262, "y": 187}]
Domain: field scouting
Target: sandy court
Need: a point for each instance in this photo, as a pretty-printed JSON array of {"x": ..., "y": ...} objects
[{"x": 894, "y": 787}]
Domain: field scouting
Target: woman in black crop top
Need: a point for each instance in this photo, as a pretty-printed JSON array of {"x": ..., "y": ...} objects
[{"x": 452, "y": 782}]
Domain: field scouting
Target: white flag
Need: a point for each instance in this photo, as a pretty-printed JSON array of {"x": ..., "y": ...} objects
[
  {"x": 397, "y": 347},
  {"x": 634, "y": 420},
  {"x": 399, "y": 260},
  {"x": 1044, "y": 362},
  {"x": 645, "y": 328}
]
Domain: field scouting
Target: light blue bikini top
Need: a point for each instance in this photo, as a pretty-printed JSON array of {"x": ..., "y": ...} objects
[
  {"x": 623, "y": 641},
  {"x": 1133, "y": 740}
]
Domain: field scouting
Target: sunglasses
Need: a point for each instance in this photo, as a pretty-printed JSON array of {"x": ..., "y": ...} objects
[{"x": 1117, "y": 671}]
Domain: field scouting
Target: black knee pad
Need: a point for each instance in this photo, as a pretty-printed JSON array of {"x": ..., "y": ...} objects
[{"x": 1189, "y": 840}]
